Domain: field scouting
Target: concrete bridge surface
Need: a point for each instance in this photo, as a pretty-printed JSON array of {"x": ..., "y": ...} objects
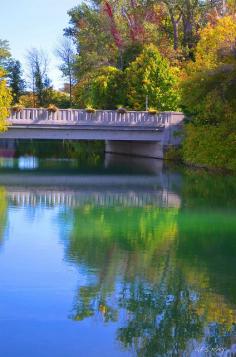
[{"x": 135, "y": 133}]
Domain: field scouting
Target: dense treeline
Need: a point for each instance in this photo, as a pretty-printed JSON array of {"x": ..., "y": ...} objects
[
  {"x": 167, "y": 55},
  {"x": 180, "y": 54}
]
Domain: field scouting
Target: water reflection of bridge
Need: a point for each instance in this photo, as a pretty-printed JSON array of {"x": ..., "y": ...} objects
[{"x": 99, "y": 198}]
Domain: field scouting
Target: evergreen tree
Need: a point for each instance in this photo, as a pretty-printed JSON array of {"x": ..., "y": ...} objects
[{"x": 15, "y": 80}]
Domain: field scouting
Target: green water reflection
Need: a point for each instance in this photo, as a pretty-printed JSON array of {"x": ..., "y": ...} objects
[{"x": 165, "y": 275}]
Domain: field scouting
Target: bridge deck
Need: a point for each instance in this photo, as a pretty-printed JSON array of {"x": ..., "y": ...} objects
[{"x": 108, "y": 125}]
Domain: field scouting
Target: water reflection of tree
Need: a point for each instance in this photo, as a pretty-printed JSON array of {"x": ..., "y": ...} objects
[
  {"x": 130, "y": 254},
  {"x": 87, "y": 153},
  {"x": 162, "y": 316},
  {"x": 207, "y": 250},
  {"x": 148, "y": 272}
]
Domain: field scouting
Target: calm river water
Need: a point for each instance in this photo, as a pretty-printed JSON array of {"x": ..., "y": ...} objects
[{"x": 121, "y": 258}]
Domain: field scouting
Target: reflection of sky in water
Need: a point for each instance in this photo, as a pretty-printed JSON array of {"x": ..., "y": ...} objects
[
  {"x": 38, "y": 287},
  {"x": 28, "y": 163},
  {"x": 23, "y": 163}
]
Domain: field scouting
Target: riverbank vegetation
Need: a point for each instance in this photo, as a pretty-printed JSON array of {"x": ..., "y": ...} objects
[
  {"x": 5, "y": 101},
  {"x": 136, "y": 54}
]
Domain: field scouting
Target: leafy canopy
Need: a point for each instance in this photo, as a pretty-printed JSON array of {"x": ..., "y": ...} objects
[
  {"x": 5, "y": 101},
  {"x": 151, "y": 75}
]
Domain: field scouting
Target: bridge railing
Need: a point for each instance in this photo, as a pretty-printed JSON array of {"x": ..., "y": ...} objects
[
  {"x": 82, "y": 117},
  {"x": 159, "y": 198}
]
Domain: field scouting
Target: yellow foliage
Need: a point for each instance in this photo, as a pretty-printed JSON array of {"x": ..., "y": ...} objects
[
  {"x": 216, "y": 42},
  {"x": 5, "y": 101},
  {"x": 28, "y": 100}
]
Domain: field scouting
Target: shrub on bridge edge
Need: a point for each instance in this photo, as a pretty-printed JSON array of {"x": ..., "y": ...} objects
[
  {"x": 52, "y": 108},
  {"x": 121, "y": 110},
  {"x": 90, "y": 110},
  {"x": 17, "y": 108}
]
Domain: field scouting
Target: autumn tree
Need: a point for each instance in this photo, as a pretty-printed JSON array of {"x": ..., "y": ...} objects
[
  {"x": 151, "y": 75},
  {"x": 5, "y": 101},
  {"x": 209, "y": 99},
  {"x": 89, "y": 29}
]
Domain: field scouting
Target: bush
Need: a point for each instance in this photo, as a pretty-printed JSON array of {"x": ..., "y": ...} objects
[
  {"x": 152, "y": 111},
  {"x": 210, "y": 146},
  {"x": 90, "y": 110},
  {"x": 121, "y": 110},
  {"x": 52, "y": 108}
]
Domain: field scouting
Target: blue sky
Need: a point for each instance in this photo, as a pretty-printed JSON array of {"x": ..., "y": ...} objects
[{"x": 35, "y": 23}]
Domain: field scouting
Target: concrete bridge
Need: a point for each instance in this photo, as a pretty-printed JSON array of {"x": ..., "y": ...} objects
[{"x": 133, "y": 133}]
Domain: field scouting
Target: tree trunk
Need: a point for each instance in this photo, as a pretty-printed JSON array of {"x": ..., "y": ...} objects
[{"x": 175, "y": 24}]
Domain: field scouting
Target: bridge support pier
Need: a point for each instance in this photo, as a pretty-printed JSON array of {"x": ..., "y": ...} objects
[{"x": 150, "y": 149}]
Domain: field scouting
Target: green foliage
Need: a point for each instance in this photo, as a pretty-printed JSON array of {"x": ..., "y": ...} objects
[
  {"x": 5, "y": 101},
  {"x": 101, "y": 89},
  {"x": 210, "y": 146},
  {"x": 50, "y": 96},
  {"x": 173, "y": 153},
  {"x": 208, "y": 96},
  {"x": 59, "y": 99},
  {"x": 15, "y": 80},
  {"x": 151, "y": 74},
  {"x": 89, "y": 28},
  {"x": 131, "y": 53}
]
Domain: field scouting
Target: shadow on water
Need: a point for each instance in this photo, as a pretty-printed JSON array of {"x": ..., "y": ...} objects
[{"x": 156, "y": 248}]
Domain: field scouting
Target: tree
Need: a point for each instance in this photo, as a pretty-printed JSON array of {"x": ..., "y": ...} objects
[
  {"x": 66, "y": 53},
  {"x": 4, "y": 52},
  {"x": 38, "y": 77},
  {"x": 14, "y": 79},
  {"x": 102, "y": 89},
  {"x": 151, "y": 75},
  {"x": 5, "y": 101},
  {"x": 209, "y": 99},
  {"x": 89, "y": 28}
]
